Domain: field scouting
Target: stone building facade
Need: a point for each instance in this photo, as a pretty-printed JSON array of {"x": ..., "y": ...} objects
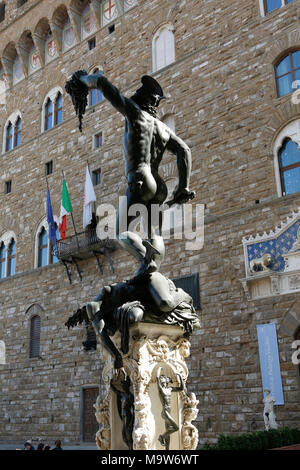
[{"x": 220, "y": 67}]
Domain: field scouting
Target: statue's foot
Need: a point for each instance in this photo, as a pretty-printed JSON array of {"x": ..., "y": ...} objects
[{"x": 161, "y": 440}]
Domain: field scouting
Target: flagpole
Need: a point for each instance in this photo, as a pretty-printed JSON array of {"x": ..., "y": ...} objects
[
  {"x": 72, "y": 218},
  {"x": 87, "y": 162}
]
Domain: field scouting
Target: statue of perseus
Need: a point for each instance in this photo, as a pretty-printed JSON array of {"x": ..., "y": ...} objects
[
  {"x": 148, "y": 296},
  {"x": 145, "y": 140}
]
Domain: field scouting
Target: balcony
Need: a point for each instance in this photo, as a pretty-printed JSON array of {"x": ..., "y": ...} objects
[{"x": 82, "y": 246}]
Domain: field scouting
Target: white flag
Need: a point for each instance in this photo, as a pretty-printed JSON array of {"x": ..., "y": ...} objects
[{"x": 89, "y": 198}]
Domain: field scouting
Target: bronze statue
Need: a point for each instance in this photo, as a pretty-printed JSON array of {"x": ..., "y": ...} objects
[
  {"x": 154, "y": 299},
  {"x": 165, "y": 390},
  {"x": 145, "y": 140},
  {"x": 125, "y": 404}
]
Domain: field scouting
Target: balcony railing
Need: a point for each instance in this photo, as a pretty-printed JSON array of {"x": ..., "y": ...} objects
[{"x": 82, "y": 246}]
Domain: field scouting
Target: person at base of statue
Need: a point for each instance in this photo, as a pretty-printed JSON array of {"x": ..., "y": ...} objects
[{"x": 145, "y": 140}]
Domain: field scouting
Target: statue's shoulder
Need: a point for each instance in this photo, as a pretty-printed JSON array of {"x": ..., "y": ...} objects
[{"x": 163, "y": 130}]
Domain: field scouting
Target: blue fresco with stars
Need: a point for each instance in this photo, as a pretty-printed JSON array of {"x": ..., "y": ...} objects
[{"x": 276, "y": 247}]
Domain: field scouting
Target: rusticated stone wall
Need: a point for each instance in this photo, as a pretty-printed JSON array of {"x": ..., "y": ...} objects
[{"x": 222, "y": 93}]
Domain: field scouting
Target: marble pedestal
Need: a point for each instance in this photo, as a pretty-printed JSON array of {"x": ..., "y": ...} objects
[{"x": 153, "y": 347}]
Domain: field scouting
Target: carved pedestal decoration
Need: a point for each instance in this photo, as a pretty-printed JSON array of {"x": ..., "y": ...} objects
[{"x": 163, "y": 411}]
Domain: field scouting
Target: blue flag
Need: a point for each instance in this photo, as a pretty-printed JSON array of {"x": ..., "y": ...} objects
[{"x": 50, "y": 220}]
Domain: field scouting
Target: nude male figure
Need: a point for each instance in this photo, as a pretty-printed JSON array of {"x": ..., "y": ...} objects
[
  {"x": 164, "y": 391},
  {"x": 145, "y": 140}
]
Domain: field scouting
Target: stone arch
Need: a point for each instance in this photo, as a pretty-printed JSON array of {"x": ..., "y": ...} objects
[
  {"x": 41, "y": 36},
  {"x": 63, "y": 28},
  {"x": 8, "y": 57},
  {"x": 28, "y": 52}
]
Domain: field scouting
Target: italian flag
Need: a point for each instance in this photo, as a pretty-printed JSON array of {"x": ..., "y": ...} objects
[{"x": 65, "y": 209}]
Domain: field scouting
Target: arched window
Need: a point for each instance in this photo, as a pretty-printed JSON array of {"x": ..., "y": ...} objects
[
  {"x": 48, "y": 115},
  {"x": 2, "y": 260},
  {"x": 52, "y": 111},
  {"x": 12, "y": 132},
  {"x": 53, "y": 257},
  {"x": 45, "y": 253},
  {"x": 287, "y": 72},
  {"x": 11, "y": 258},
  {"x": 35, "y": 333},
  {"x": 163, "y": 48},
  {"x": 95, "y": 96},
  {"x": 289, "y": 165},
  {"x": 9, "y": 137},
  {"x": 58, "y": 109},
  {"x": 18, "y": 129},
  {"x": 43, "y": 248}
]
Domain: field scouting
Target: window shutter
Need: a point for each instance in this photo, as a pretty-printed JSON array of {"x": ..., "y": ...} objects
[
  {"x": 169, "y": 47},
  {"x": 160, "y": 52},
  {"x": 190, "y": 284},
  {"x": 35, "y": 332}
]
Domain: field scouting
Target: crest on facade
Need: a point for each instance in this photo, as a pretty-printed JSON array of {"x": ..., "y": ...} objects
[{"x": 272, "y": 260}]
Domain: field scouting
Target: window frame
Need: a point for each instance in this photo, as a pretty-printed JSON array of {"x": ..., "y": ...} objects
[
  {"x": 284, "y": 3},
  {"x": 17, "y": 132},
  {"x": 292, "y": 166},
  {"x": 98, "y": 71},
  {"x": 8, "y": 185},
  {"x": 5, "y": 242},
  {"x": 9, "y": 138},
  {"x": 42, "y": 247},
  {"x": 46, "y": 128},
  {"x": 161, "y": 30},
  {"x": 3, "y": 261},
  {"x": 292, "y": 72},
  {"x": 95, "y": 174},
  {"x": 34, "y": 337},
  {"x": 10, "y": 257},
  {"x": 57, "y": 109}
]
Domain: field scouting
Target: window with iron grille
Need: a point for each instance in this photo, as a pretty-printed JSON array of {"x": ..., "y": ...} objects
[
  {"x": 190, "y": 284},
  {"x": 35, "y": 333}
]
